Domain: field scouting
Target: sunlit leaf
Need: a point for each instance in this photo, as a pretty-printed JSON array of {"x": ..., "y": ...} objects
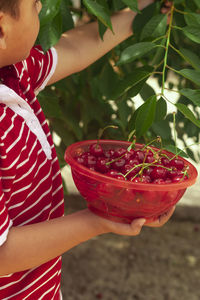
[
  {"x": 191, "y": 57},
  {"x": 135, "y": 51},
  {"x": 192, "y": 75},
  {"x": 193, "y": 95},
  {"x": 99, "y": 11},
  {"x": 145, "y": 116},
  {"x": 155, "y": 27},
  {"x": 133, "y": 4},
  {"x": 188, "y": 113},
  {"x": 193, "y": 33}
]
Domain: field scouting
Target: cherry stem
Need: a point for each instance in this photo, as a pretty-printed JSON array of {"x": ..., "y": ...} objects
[{"x": 167, "y": 48}]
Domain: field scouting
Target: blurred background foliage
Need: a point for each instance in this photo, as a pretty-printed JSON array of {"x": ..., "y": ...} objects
[{"x": 107, "y": 92}]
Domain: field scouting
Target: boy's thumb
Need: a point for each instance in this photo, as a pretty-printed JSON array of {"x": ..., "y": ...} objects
[{"x": 137, "y": 224}]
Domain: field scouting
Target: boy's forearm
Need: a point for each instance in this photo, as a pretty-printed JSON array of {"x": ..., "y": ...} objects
[
  {"x": 32, "y": 245},
  {"x": 81, "y": 46}
]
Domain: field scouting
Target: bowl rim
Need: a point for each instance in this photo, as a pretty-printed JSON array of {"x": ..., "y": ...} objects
[{"x": 121, "y": 183}]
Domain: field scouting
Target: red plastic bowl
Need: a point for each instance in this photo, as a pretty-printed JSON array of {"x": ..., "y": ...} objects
[{"x": 119, "y": 200}]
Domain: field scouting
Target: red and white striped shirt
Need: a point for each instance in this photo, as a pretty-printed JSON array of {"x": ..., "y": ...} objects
[{"x": 30, "y": 181}]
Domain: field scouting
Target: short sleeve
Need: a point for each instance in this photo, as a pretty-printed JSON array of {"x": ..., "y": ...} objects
[
  {"x": 41, "y": 67},
  {"x": 5, "y": 222}
]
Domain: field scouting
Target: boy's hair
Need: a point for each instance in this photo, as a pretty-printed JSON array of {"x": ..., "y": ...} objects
[{"x": 10, "y": 6}]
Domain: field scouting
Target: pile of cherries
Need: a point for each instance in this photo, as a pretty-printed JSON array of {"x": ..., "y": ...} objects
[{"x": 145, "y": 165}]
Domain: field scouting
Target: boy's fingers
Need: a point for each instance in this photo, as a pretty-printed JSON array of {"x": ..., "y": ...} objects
[
  {"x": 129, "y": 229},
  {"x": 136, "y": 226},
  {"x": 162, "y": 219}
]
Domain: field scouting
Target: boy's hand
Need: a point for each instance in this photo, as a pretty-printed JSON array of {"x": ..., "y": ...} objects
[{"x": 135, "y": 227}]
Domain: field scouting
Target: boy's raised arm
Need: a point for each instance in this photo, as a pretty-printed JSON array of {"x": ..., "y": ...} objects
[{"x": 81, "y": 46}]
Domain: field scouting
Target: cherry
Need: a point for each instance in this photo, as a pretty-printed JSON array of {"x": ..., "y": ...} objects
[
  {"x": 172, "y": 173},
  {"x": 145, "y": 179},
  {"x": 96, "y": 150},
  {"x": 148, "y": 171},
  {"x": 159, "y": 181},
  {"x": 118, "y": 164},
  {"x": 178, "y": 178},
  {"x": 90, "y": 161},
  {"x": 158, "y": 172},
  {"x": 119, "y": 152},
  {"x": 112, "y": 162},
  {"x": 149, "y": 159},
  {"x": 129, "y": 154},
  {"x": 139, "y": 154},
  {"x": 109, "y": 153},
  {"x": 115, "y": 174},
  {"x": 177, "y": 163},
  {"x": 128, "y": 168},
  {"x": 101, "y": 165},
  {"x": 165, "y": 161}
]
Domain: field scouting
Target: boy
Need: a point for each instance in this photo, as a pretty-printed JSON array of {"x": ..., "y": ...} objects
[{"x": 33, "y": 229}]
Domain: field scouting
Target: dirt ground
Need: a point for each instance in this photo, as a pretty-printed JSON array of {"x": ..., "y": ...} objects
[{"x": 159, "y": 264}]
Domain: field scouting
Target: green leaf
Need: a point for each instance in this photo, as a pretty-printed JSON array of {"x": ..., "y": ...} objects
[
  {"x": 192, "y": 19},
  {"x": 145, "y": 116},
  {"x": 161, "y": 110},
  {"x": 193, "y": 33},
  {"x": 191, "y": 57},
  {"x": 193, "y": 95},
  {"x": 155, "y": 27},
  {"x": 188, "y": 113},
  {"x": 102, "y": 29},
  {"x": 132, "y": 4},
  {"x": 50, "y": 33},
  {"x": 192, "y": 75},
  {"x": 147, "y": 91},
  {"x": 99, "y": 11},
  {"x": 67, "y": 19},
  {"x": 197, "y": 3},
  {"x": 175, "y": 150},
  {"x": 129, "y": 81},
  {"x": 134, "y": 90},
  {"x": 50, "y": 9},
  {"x": 135, "y": 51}
]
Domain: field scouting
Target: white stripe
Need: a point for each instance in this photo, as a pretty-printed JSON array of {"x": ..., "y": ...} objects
[
  {"x": 32, "y": 101},
  {"x": 4, "y": 114},
  {"x": 21, "y": 190},
  {"x": 17, "y": 140},
  {"x": 53, "y": 68},
  {"x": 3, "y": 237},
  {"x": 41, "y": 181},
  {"x": 10, "y": 166},
  {"x": 31, "y": 219},
  {"x": 50, "y": 278},
  {"x": 2, "y": 211},
  {"x": 28, "y": 158},
  {"x": 32, "y": 283},
  {"x": 44, "y": 162},
  {"x": 26, "y": 174},
  {"x": 38, "y": 112},
  {"x": 56, "y": 207},
  {"x": 7, "y": 177},
  {"x": 56, "y": 175},
  {"x": 53, "y": 194},
  {"x": 28, "y": 89},
  {"x": 41, "y": 69},
  {"x": 29, "y": 207},
  {"x": 47, "y": 292},
  {"x": 9, "y": 128}
]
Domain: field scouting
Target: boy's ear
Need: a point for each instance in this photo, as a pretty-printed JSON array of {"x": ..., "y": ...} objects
[{"x": 2, "y": 32}]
